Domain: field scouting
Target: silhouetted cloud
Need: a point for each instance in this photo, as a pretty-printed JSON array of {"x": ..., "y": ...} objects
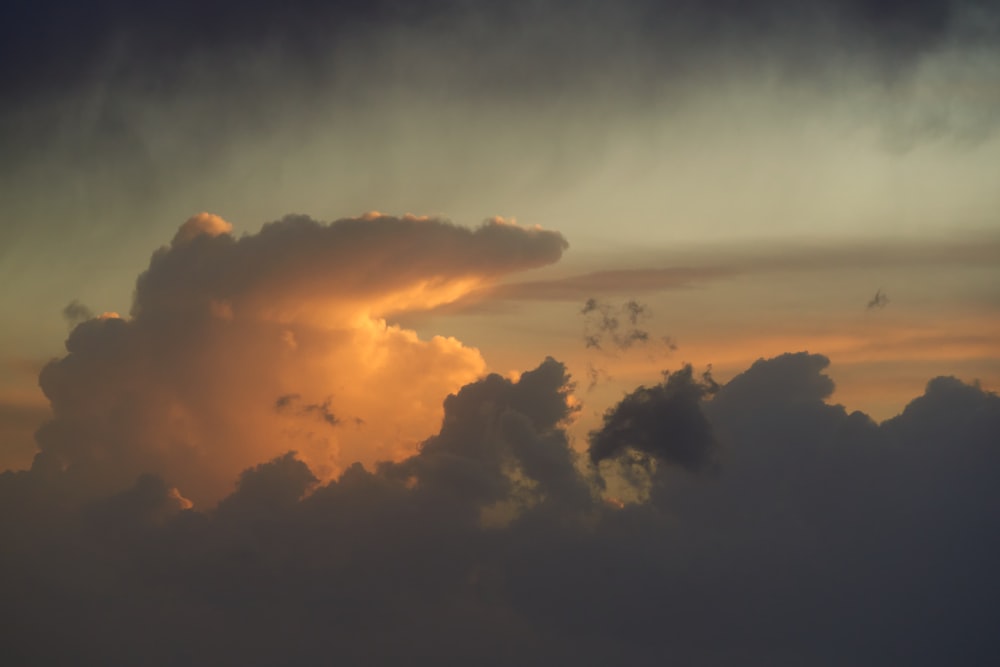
[
  {"x": 614, "y": 326},
  {"x": 664, "y": 422},
  {"x": 319, "y": 410},
  {"x": 196, "y": 499},
  {"x": 75, "y": 312},
  {"x": 880, "y": 300},
  {"x": 268, "y": 488},
  {"x": 823, "y": 538}
]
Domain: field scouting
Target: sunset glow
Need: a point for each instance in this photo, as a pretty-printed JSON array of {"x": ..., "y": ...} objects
[{"x": 548, "y": 332}]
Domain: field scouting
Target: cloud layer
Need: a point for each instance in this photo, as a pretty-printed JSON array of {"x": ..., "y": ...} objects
[{"x": 816, "y": 537}]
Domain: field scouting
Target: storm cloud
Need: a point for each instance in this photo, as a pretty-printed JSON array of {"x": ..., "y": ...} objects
[
  {"x": 222, "y": 328},
  {"x": 820, "y": 538},
  {"x": 255, "y": 462}
]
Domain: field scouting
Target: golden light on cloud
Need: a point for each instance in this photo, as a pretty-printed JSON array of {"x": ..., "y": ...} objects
[
  {"x": 238, "y": 350},
  {"x": 203, "y": 224}
]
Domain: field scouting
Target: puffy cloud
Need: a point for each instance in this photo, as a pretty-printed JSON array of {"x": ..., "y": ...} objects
[
  {"x": 224, "y": 329},
  {"x": 502, "y": 439},
  {"x": 664, "y": 422},
  {"x": 824, "y": 538},
  {"x": 786, "y": 380},
  {"x": 269, "y": 487},
  {"x": 75, "y": 312},
  {"x": 298, "y": 268},
  {"x": 203, "y": 224}
]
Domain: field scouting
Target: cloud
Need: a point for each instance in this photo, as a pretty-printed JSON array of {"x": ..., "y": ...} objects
[
  {"x": 377, "y": 264},
  {"x": 203, "y": 224},
  {"x": 611, "y": 281},
  {"x": 501, "y": 439},
  {"x": 664, "y": 422},
  {"x": 224, "y": 330},
  {"x": 823, "y": 538},
  {"x": 702, "y": 267},
  {"x": 603, "y": 324},
  {"x": 269, "y": 488},
  {"x": 318, "y": 410},
  {"x": 75, "y": 312},
  {"x": 880, "y": 300},
  {"x": 135, "y": 42}
]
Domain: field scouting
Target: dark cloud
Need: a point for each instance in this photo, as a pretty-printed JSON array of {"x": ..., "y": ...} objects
[
  {"x": 268, "y": 488},
  {"x": 93, "y": 82},
  {"x": 75, "y": 312},
  {"x": 788, "y": 380},
  {"x": 664, "y": 422},
  {"x": 500, "y": 439},
  {"x": 617, "y": 327},
  {"x": 321, "y": 411},
  {"x": 123, "y": 42},
  {"x": 880, "y": 300},
  {"x": 824, "y": 538}
]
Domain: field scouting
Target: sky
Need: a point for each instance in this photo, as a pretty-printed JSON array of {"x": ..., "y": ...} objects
[{"x": 517, "y": 333}]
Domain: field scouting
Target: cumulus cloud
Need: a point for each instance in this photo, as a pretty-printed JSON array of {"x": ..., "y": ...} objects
[
  {"x": 823, "y": 538},
  {"x": 223, "y": 331},
  {"x": 664, "y": 422},
  {"x": 203, "y": 224},
  {"x": 502, "y": 441}
]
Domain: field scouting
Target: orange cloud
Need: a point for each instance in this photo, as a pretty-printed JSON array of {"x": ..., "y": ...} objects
[
  {"x": 194, "y": 386},
  {"x": 203, "y": 224}
]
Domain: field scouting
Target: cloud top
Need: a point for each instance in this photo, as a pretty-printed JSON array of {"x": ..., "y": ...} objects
[{"x": 822, "y": 538}]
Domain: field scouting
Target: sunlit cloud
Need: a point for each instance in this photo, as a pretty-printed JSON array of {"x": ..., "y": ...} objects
[
  {"x": 694, "y": 438},
  {"x": 223, "y": 327}
]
